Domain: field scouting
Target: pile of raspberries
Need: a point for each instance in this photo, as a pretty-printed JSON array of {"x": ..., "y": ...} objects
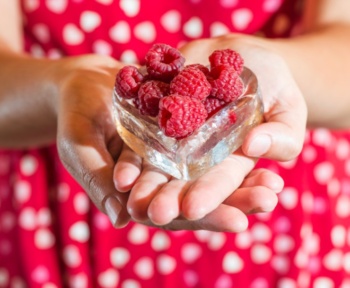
[{"x": 182, "y": 97}]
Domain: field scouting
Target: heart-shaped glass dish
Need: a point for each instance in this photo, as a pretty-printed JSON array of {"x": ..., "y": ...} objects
[{"x": 192, "y": 156}]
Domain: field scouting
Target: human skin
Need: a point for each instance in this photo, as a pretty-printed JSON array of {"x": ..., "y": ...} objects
[{"x": 89, "y": 145}]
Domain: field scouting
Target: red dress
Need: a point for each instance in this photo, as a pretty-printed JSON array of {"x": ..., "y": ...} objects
[{"x": 52, "y": 236}]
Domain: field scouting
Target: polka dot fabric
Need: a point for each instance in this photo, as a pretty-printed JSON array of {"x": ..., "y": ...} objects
[{"x": 52, "y": 236}]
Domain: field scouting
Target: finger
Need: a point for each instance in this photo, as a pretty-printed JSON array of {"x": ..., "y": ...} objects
[
  {"x": 211, "y": 189},
  {"x": 127, "y": 169},
  {"x": 264, "y": 177},
  {"x": 86, "y": 157},
  {"x": 253, "y": 199},
  {"x": 281, "y": 136},
  {"x": 222, "y": 219},
  {"x": 146, "y": 187},
  {"x": 165, "y": 206}
]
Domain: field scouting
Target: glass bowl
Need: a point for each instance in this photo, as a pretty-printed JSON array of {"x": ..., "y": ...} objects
[{"x": 192, "y": 156}]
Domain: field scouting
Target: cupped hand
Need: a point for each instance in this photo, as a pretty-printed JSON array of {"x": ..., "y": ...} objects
[{"x": 87, "y": 140}]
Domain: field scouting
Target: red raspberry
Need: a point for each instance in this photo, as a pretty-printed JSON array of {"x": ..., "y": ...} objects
[
  {"x": 179, "y": 116},
  {"x": 191, "y": 82},
  {"x": 149, "y": 95},
  {"x": 201, "y": 67},
  {"x": 128, "y": 81},
  {"x": 227, "y": 57},
  {"x": 226, "y": 83},
  {"x": 164, "y": 62},
  {"x": 213, "y": 105}
]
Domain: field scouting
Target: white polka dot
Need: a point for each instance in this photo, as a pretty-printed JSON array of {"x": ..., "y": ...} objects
[
  {"x": 31, "y": 5},
  {"x": 345, "y": 283},
  {"x": 78, "y": 281},
  {"x": 304, "y": 279},
  {"x": 138, "y": 234},
  {"x": 223, "y": 281},
  {"x": 119, "y": 257},
  {"x": 160, "y": 241},
  {"x": 306, "y": 230},
  {"x": 89, "y": 21},
  {"x": 129, "y": 57},
  {"x": 203, "y": 235},
  {"x": 323, "y": 172},
  {"x": 228, "y": 3},
  {"x": 40, "y": 274},
  {"x": 71, "y": 256},
  {"x": 63, "y": 191},
  {"x": 102, "y": 47},
  {"x": 323, "y": 138},
  {"x": 333, "y": 187},
  {"x": 130, "y": 7},
  {"x": 217, "y": 241},
  {"x": 342, "y": 149},
  {"x": 232, "y": 263},
  {"x": 105, "y": 2},
  {"x": 8, "y": 221},
  {"x": 23, "y": 191},
  {"x": 241, "y": 18},
  {"x": 191, "y": 252},
  {"x": 120, "y": 32},
  {"x": 44, "y": 239},
  {"x": 81, "y": 203},
  {"x": 289, "y": 198},
  {"x": 57, "y": 6},
  {"x": 259, "y": 283},
  {"x": 282, "y": 225},
  {"x": 307, "y": 201},
  {"x": 130, "y": 283},
  {"x": 108, "y": 278},
  {"x": 165, "y": 264},
  {"x": 342, "y": 206},
  {"x": 309, "y": 154},
  {"x": 18, "y": 282},
  {"x": 79, "y": 231},
  {"x": 191, "y": 278},
  {"x": 144, "y": 268},
  {"x": 49, "y": 285},
  {"x": 27, "y": 219},
  {"x": 41, "y": 32},
  {"x": 333, "y": 260},
  {"x": 243, "y": 240},
  {"x": 338, "y": 236},
  {"x": 28, "y": 165},
  {"x": 4, "y": 278},
  {"x": 193, "y": 28},
  {"x": 301, "y": 259},
  {"x": 145, "y": 31},
  {"x": 283, "y": 243},
  {"x": 72, "y": 35},
  {"x": 43, "y": 217},
  {"x": 171, "y": 21},
  {"x": 314, "y": 264},
  {"x": 286, "y": 283},
  {"x": 311, "y": 244},
  {"x": 323, "y": 282},
  {"x": 54, "y": 54},
  {"x": 347, "y": 167},
  {"x": 346, "y": 262},
  {"x": 320, "y": 205},
  {"x": 348, "y": 238},
  {"x": 272, "y": 5},
  {"x": 261, "y": 232},
  {"x": 101, "y": 221},
  {"x": 280, "y": 264},
  {"x": 260, "y": 254},
  {"x": 218, "y": 29}
]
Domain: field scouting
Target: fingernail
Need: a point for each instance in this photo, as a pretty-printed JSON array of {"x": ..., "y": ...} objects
[
  {"x": 259, "y": 146},
  {"x": 113, "y": 208}
]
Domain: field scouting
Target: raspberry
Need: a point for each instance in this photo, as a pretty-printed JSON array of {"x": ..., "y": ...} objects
[
  {"x": 227, "y": 57},
  {"x": 191, "y": 82},
  {"x": 226, "y": 83},
  {"x": 149, "y": 95},
  {"x": 179, "y": 116},
  {"x": 201, "y": 67},
  {"x": 164, "y": 62},
  {"x": 128, "y": 81},
  {"x": 213, "y": 105}
]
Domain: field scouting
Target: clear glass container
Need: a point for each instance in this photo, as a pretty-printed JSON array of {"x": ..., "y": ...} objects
[{"x": 192, "y": 156}]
